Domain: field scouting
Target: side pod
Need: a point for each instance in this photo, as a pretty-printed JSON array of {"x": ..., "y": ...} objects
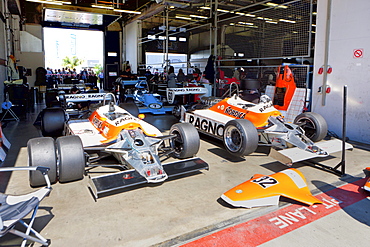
[{"x": 263, "y": 190}]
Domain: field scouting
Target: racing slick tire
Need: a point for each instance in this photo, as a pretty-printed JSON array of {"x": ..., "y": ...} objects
[
  {"x": 71, "y": 158},
  {"x": 52, "y": 122},
  {"x": 240, "y": 137},
  {"x": 313, "y": 124},
  {"x": 186, "y": 143},
  {"x": 41, "y": 152},
  {"x": 131, "y": 108}
]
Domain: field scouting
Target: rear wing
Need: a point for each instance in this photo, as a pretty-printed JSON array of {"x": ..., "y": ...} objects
[{"x": 83, "y": 97}]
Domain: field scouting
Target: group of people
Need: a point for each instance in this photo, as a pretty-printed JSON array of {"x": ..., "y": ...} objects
[{"x": 65, "y": 75}]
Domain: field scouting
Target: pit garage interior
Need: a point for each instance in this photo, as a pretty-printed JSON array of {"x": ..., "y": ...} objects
[{"x": 324, "y": 42}]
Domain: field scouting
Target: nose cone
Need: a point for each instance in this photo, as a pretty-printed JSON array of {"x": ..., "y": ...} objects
[{"x": 266, "y": 190}]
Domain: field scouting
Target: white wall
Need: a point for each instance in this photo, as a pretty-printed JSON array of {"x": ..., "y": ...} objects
[
  {"x": 28, "y": 58},
  {"x": 349, "y": 30},
  {"x": 130, "y": 44}
]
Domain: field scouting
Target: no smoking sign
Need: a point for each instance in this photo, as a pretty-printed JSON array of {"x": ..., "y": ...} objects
[{"x": 358, "y": 53}]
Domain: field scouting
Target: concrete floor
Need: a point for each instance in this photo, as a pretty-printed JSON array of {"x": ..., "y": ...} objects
[{"x": 184, "y": 209}]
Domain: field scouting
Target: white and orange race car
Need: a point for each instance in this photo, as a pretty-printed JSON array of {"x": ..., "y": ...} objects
[
  {"x": 115, "y": 131},
  {"x": 243, "y": 125}
]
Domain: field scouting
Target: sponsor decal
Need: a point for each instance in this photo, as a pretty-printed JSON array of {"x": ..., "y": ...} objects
[
  {"x": 123, "y": 119},
  {"x": 155, "y": 106},
  {"x": 234, "y": 113},
  {"x": 97, "y": 122},
  {"x": 92, "y": 96},
  {"x": 206, "y": 125},
  {"x": 263, "y": 108}
]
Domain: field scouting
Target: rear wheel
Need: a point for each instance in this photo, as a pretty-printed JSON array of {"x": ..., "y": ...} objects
[
  {"x": 71, "y": 158},
  {"x": 240, "y": 137},
  {"x": 313, "y": 124},
  {"x": 186, "y": 143},
  {"x": 52, "y": 122},
  {"x": 41, "y": 152}
]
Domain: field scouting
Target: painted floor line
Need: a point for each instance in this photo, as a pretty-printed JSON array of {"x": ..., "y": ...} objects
[{"x": 272, "y": 225}]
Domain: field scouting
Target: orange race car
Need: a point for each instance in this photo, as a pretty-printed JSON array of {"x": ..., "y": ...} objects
[
  {"x": 242, "y": 125},
  {"x": 117, "y": 131}
]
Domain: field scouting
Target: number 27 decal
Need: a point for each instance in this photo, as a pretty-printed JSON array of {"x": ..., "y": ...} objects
[{"x": 265, "y": 181}]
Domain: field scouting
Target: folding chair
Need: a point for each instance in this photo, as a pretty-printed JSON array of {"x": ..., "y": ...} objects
[{"x": 14, "y": 208}]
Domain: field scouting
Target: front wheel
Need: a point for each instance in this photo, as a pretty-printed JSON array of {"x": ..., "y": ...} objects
[
  {"x": 186, "y": 143},
  {"x": 313, "y": 124},
  {"x": 41, "y": 152},
  {"x": 240, "y": 137},
  {"x": 71, "y": 158}
]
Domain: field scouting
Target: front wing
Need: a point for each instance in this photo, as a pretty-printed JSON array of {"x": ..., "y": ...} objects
[{"x": 110, "y": 183}]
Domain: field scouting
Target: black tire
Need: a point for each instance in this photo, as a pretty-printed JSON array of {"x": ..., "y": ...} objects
[
  {"x": 187, "y": 143},
  {"x": 71, "y": 158},
  {"x": 130, "y": 100},
  {"x": 52, "y": 122},
  {"x": 131, "y": 108},
  {"x": 240, "y": 137},
  {"x": 176, "y": 111},
  {"x": 41, "y": 152},
  {"x": 313, "y": 124}
]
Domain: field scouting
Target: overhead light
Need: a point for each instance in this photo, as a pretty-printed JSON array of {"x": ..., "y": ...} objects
[
  {"x": 223, "y": 10},
  {"x": 272, "y": 22},
  {"x": 288, "y": 21},
  {"x": 102, "y": 6},
  {"x": 276, "y": 5},
  {"x": 127, "y": 11},
  {"x": 171, "y": 38},
  {"x": 182, "y": 39},
  {"x": 183, "y": 17},
  {"x": 245, "y": 23},
  {"x": 199, "y": 16},
  {"x": 205, "y": 7},
  {"x": 250, "y": 15},
  {"x": 151, "y": 36},
  {"x": 46, "y": 2}
]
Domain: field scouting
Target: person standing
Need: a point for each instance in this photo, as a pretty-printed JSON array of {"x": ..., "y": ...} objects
[
  {"x": 171, "y": 79},
  {"x": 101, "y": 79}
]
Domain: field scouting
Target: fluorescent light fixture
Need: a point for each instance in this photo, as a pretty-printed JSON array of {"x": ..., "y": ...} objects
[
  {"x": 223, "y": 10},
  {"x": 314, "y": 25},
  {"x": 183, "y": 17},
  {"x": 288, "y": 21},
  {"x": 314, "y": 13},
  {"x": 240, "y": 13},
  {"x": 272, "y": 22},
  {"x": 199, "y": 16},
  {"x": 46, "y": 2},
  {"x": 172, "y": 38},
  {"x": 245, "y": 23},
  {"x": 240, "y": 54},
  {"x": 102, "y": 6},
  {"x": 127, "y": 11},
  {"x": 112, "y": 54},
  {"x": 162, "y": 37},
  {"x": 250, "y": 15},
  {"x": 276, "y": 5},
  {"x": 182, "y": 39},
  {"x": 232, "y": 24},
  {"x": 205, "y": 7},
  {"x": 151, "y": 36}
]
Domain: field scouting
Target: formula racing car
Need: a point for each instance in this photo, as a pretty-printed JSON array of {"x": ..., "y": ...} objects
[
  {"x": 115, "y": 131},
  {"x": 243, "y": 125}
]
